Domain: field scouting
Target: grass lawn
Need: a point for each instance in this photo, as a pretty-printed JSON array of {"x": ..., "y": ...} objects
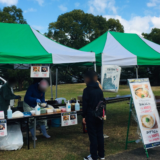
[{"x": 69, "y": 143}]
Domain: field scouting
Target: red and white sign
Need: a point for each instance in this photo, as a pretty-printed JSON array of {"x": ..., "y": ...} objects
[
  {"x": 146, "y": 110},
  {"x": 39, "y": 71}
]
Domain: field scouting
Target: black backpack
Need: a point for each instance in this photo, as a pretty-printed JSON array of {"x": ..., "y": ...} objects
[{"x": 100, "y": 110}]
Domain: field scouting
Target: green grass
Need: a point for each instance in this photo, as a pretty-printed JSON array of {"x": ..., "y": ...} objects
[{"x": 69, "y": 143}]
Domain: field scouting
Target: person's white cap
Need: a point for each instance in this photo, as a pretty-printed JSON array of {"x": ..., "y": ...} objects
[{"x": 43, "y": 84}]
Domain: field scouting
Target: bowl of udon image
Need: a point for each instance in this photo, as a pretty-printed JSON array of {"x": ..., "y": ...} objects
[
  {"x": 148, "y": 121},
  {"x": 141, "y": 92}
]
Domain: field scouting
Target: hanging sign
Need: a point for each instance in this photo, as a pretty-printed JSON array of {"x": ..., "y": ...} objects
[
  {"x": 69, "y": 118},
  {"x": 110, "y": 77},
  {"x": 3, "y": 128},
  {"x": 146, "y": 111},
  {"x": 39, "y": 71}
]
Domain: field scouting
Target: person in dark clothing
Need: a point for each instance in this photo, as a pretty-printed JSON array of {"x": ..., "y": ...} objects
[
  {"x": 6, "y": 94},
  {"x": 92, "y": 95}
]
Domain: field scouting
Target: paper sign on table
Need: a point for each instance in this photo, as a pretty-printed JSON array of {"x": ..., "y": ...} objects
[
  {"x": 1, "y": 114},
  {"x": 69, "y": 118},
  {"x": 39, "y": 71},
  {"x": 146, "y": 110},
  {"x": 3, "y": 128}
]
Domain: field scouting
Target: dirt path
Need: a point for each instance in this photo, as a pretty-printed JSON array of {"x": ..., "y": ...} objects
[{"x": 137, "y": 154}]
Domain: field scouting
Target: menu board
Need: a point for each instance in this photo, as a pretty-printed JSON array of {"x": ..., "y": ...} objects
[
  {"x": 69, "y": 118},
  {"x": 110, "y": 77},
  {"x": 3, "y": 128},
  {"x": 39, "y": 71},
  {"x": 146, "y": 110}
]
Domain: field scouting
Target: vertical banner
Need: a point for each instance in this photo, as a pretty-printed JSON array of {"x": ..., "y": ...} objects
[
  {"x": 39, "y": 71},
  {"x": 69, "y": 118},
  {"x": 146, "y": 110},
  {"x": 3, "y": 128},
  {"x": 110, "y": 77}
]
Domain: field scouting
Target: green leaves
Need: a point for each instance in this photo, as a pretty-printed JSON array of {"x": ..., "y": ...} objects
[{"x": 12, "y": 15}]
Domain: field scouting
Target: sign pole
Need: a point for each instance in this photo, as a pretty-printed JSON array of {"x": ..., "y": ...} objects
[
  {"x": 51, "y": 84},
  {"x": 56, "y": 80}
]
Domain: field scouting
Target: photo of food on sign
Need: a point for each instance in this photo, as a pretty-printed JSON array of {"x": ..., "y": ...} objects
[
  {"x": 36, "y": 69},
  {"x": 2, "y": 126},
  {"x": 149, "y": 121},
  {"x": 44, "y": 69},
  {"x": 141, "y": 91},
  {"x": 73, "y": 117},
  {"x": 65, "y": 118}
]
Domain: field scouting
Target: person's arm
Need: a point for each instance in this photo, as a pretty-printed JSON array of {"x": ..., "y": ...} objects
[
  {"x": 43, "y": 98},
  {"x": 85, "y": 103},
  {"x": 7, "y": 93},
  {"x": 29, "y": 97},
  {"x": 100, "y": 86}
]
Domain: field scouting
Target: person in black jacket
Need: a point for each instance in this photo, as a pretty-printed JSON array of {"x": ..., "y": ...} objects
[{"x": 92, "y": 95}]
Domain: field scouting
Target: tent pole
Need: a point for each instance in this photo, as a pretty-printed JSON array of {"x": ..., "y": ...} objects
[
  {"x": 137, "y": 72},
  {"x": 95, "y": 69},
  {"x": 51, "y": 83},
  {"x": 56, "y": 80}
]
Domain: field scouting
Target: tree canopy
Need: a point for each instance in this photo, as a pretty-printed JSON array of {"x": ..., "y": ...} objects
[
  {"x": 76, "y": 29},
  {"x": 12, "y": 15}
]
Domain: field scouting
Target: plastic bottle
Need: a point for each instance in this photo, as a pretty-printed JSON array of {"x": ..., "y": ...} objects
[
  {"x": 77, "y": 106},
  {"x": 9, "y": 112},
  {"x": 37, "y": 110},
  {"x": 68, "y": 107}
]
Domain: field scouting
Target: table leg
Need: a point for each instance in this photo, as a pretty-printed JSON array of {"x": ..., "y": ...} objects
[
  {"x": 34, "y": 133},
  {"x": 28, "y": 133}
]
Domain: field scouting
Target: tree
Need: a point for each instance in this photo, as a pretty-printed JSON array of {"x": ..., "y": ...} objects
[
  {"x": 12, "y": 15},
  {"x": 153, "y": 71},
  {"x": 22, "y": 76},
  {"x": 76, "y": 29}
]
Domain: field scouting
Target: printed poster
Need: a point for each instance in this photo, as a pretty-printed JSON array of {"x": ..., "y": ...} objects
[
  {"x": 69, "y": 118},
  {"x": 110, "y": 77},
  {"x": 146, "y": 110},
  {"x": 39, "y": 71},
  {"x": 3, "y": 128}
]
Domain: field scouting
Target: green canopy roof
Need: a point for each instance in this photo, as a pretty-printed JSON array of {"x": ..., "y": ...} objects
[
  {"x": 21, "y": 44},
  {"x": 124, "y": 49}
]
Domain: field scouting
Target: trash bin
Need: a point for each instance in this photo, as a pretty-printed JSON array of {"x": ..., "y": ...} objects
[{"x": 56, "y": 122}]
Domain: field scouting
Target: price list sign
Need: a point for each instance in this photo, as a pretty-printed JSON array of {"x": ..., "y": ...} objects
[
  {"x": 39, "y": 71},
  {"x": 69, "y": 118},
  {"x": 146, "y": 111}
]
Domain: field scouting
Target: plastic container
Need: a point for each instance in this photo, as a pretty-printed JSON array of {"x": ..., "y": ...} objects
[
  {"x": 9, "y": 112},
  {"x": 56, "y": 122},
  {"x": 68, "y": 107},
  {"x": 37, "y": 110},
  {"x": 77, "y": 106}
]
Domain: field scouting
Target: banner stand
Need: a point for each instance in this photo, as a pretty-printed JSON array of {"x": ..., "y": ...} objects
[{"x": 129, "y": 121}]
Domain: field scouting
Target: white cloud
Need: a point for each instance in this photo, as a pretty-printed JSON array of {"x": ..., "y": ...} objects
[
  {"x": 63, "y": 8},
  {"x": 40, "y": 2},
  {"x": 9, "y": 2},
  {"x": 99, "y": 6},
  {"x": 153, "y": 3},
  {"x": 30, "y": 10},
  {"x": 137, "y": 24},
  {"x": 77, "y": 4}
]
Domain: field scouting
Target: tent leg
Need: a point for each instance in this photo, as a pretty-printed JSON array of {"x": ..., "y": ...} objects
[
  {"x": 56, "y": 80},
  {"x": 95, "y": 69},
  {"x": 137, "y": 72},
  {"x": 51, "y": 84}
]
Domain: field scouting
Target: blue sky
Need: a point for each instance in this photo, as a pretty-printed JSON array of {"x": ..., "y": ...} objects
[{"x": 137, "y": 16}]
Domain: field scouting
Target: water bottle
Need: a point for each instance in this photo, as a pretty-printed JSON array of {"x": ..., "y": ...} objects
[
  {"x": 77, "y": 106},
  {"x": 9, "y": 112}
]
